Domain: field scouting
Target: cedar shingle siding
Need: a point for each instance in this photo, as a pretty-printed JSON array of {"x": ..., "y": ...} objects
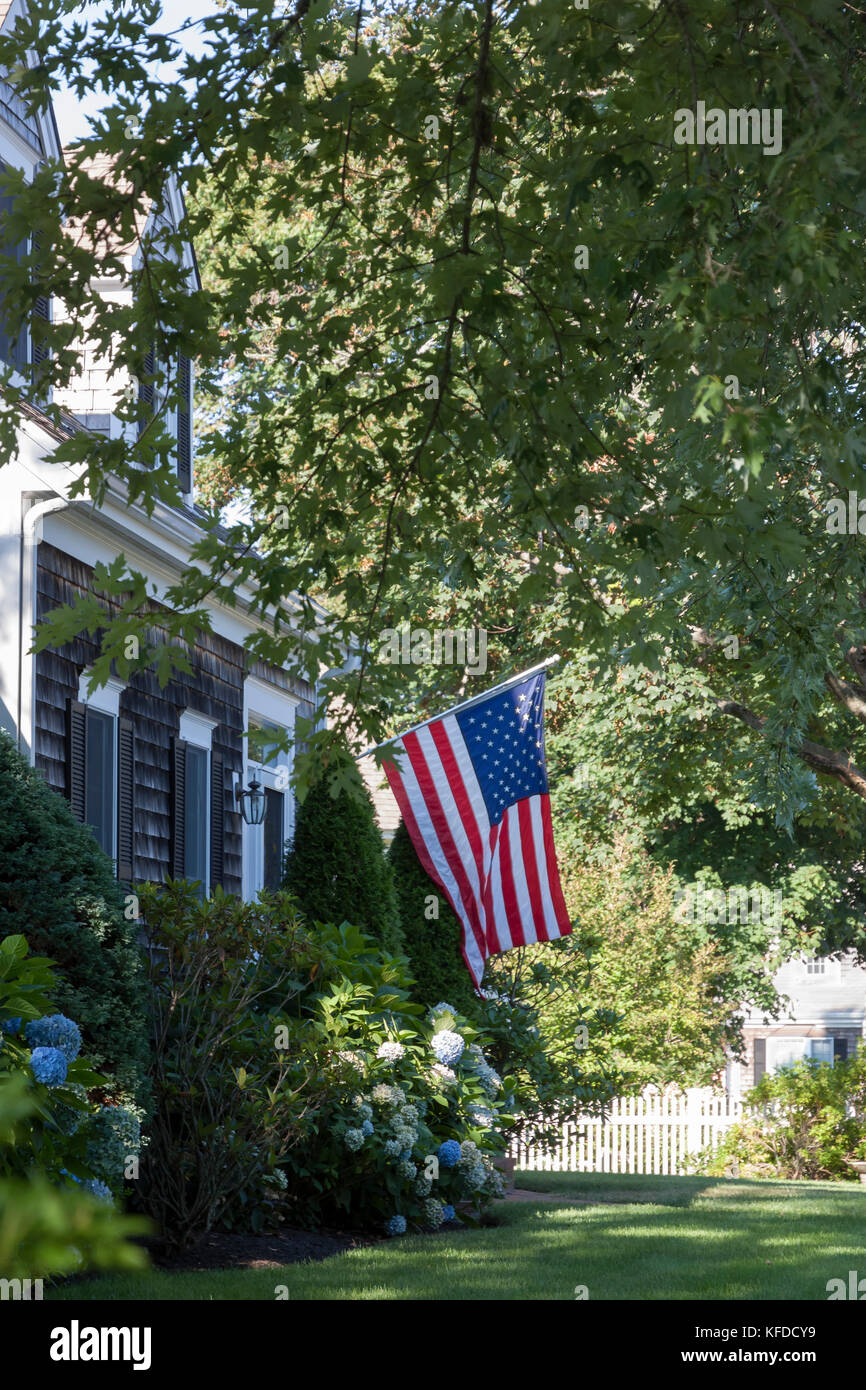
[{"x": 215, "y": 689}]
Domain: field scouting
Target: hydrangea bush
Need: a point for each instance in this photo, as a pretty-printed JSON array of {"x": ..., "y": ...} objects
[
  {"x": 64, "y": 1140},
  {"x": 411, "y": 1133}
]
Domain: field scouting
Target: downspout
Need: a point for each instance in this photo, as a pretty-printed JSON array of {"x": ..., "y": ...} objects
[{"x": 34, "y": 506}]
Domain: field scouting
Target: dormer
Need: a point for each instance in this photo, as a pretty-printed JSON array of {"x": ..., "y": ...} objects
[
  {"x": 93, "y": 395},
  {"x": 26, "y": 142}
]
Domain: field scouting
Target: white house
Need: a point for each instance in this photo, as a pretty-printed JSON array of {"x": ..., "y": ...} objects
[
  {"x": 155, "y": 772},
  {"x": 824, "y": 1017}
]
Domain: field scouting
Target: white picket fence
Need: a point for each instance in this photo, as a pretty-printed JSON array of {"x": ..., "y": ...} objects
[{"x": 655, "y": 1132}]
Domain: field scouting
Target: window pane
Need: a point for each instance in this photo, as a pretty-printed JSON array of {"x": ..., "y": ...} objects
[
  {"x": 273, "y": 828},
  {"x": 100, "y": 781},
  {"x": 264, "y": 744},
  {"x": 196, "y": 814},
  {"x": 784, "y": 1052}
]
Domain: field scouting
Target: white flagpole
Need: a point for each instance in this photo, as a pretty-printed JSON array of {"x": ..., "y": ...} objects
[{"x": 465, "y": 704}]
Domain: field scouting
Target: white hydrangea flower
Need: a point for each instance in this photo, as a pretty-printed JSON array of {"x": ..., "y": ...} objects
[
  {"x": 384, "y": 1094},
  {"x": 354, "y": 1059},
  {"x": 442, "y": 1074},
  {"x": 353, "y": 1139},
  {"x": 391, "y": 1051}
]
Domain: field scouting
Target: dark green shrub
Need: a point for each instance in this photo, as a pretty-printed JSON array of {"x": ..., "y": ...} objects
[
  {"x": 431, "y": 932},
  {"x": 336, "y": 867},
  {"x": 58, "y": 889},
  {"x": 233, "y": 1072}
]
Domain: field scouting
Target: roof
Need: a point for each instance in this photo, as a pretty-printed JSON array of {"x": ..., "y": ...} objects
[
  {"x": 71, "y": 424},
  {"x": 5, "y": 7}
]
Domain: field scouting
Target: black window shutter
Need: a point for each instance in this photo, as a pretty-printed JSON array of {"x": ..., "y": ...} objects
[
  {"x": 145, "y": 391},
  {"x": 178, "y": 809},
  {"x": 184, "y": 423},
  {"x": 125, "y": 800},
  {"x": 840, "y": 1049},
  {"x": 760, "y": 1058},
  {"x": 76, "y": 762},
  {"x": 13, "y": 345},
  {"x": 217, "y": 819},
  {"x": 39, "y": 352}
]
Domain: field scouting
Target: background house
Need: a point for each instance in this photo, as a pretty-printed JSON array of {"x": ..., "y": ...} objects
[{"x": 825, "y": 1017}]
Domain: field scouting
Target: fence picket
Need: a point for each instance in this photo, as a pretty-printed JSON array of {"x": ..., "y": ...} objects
[{"x": 654, "y": 1132}]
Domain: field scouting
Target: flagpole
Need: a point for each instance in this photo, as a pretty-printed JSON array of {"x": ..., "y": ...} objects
[{"x": 465, "y": 704}]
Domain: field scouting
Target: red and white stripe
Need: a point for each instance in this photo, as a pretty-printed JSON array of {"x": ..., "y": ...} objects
[{"x": 501, "y": 880}]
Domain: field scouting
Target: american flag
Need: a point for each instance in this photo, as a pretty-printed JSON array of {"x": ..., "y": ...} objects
[{"x": 472, "y": 788}]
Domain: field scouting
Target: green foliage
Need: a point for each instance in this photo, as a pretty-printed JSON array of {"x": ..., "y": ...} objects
[
  {"x": 48, "y": 1223},
  {"x": 59, "y": 889},
  {"x": 533, "y": 1043},
  {"x": 539, "y": 366},
  {"x": 431, "y": 932},
  {"x": 49, "y": 1229},
  {"x": 638, "y": 757},
  {"x": 663, "y": 985},
  {"x": 231, "y": 1072},
  {"x": 804, "y": 1121},
  {"x": 371, "y": 1151},
  {"x": 336, "y": 867}
]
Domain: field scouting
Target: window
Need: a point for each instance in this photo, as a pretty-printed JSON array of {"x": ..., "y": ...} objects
[
  {"x": 100, "y": 770},
  {"x": 274, "y": 838},
  {"x": 816, "y": 967},
  {"x": 99, "y": 782},
  {"x": 196, "y": 808},
  {"x": 24, "y": 350},
  {"x": 786, "y": 1051},
  {"x": 13, "y": 346},
  {"x": 270, "y": 721},
  {"x": 198, "y": 804}
]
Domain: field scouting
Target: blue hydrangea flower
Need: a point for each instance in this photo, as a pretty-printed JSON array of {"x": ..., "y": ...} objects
[
  {"x": 10, "y": 1026},
  {"x": 449, "y": 1154},
  {"x": 367, "y": 1128},
  {"x": 441, "y": 1009},
  {"x": 448, "y": 1047},
  {"x": 99, "y": 1189},
  {"x": 448, "y": 1213},
  {"x": 48, "y": 1065},
  {"x": 392, "y": 1148},
  {"x": 353, "y": 1139},
  {"x": 56, "y": 1031},
  {"x": 395, "y": 1226}
]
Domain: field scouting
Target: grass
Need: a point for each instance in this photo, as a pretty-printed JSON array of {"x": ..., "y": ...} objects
[{"x": 625, "y": 1237}]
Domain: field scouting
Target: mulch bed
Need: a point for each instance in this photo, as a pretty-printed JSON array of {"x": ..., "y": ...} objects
[{"x": 231, "y": 1250}]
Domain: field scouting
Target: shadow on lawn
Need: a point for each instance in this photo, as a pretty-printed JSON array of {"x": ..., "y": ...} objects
[{"x": 665, "y": 1190}]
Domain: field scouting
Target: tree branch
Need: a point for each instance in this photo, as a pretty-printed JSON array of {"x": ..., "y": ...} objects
[{"x": 822, "y": 759}]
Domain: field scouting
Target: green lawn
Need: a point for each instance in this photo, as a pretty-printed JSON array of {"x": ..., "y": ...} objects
[{"x": 624, "y": 1238}]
